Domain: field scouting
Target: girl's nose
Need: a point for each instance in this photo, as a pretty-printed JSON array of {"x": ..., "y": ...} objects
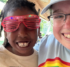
[{"x": 22, "y": 30}]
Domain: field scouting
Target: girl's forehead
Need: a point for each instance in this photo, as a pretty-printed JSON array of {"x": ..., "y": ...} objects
[{"x": 19, "y": 12}]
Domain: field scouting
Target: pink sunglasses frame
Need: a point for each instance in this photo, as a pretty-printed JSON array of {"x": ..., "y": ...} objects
[{"x": 26, "y": 19}]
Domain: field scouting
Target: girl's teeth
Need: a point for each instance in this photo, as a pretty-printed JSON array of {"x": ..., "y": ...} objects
[
  {"x": 23, "y": 44},
  {"x": 67, "y": 35}
]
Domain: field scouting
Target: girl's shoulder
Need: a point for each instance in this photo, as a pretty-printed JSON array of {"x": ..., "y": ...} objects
[
  {"x": 2, "y": 48},
  {"x": 2, "y": 52}
]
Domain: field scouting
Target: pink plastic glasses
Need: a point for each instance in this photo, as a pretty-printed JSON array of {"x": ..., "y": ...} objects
[{"x": 12, "y": 23}]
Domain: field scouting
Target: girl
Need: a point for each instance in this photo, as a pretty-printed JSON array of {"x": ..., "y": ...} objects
[{"x": 20, "y": 22}]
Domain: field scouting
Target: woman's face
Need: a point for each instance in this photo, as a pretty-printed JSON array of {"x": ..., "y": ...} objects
[
  {"x": 61, "y": 28},
  {"x": 23, "y": 39}
]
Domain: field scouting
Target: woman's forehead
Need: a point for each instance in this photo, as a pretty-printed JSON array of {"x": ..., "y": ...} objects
[{"x": 63, "y": 6}]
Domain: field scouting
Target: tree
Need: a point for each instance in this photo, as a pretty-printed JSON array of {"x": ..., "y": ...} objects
[{"x": 4, "y": 1}]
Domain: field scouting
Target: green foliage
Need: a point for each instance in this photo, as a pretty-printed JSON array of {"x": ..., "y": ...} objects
[
  {"x": 4, "y": 1},
  {"x": 45, "y": 27}
]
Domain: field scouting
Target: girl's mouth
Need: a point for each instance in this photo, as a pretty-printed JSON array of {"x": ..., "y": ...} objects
[{"x": 23, "y": 44}]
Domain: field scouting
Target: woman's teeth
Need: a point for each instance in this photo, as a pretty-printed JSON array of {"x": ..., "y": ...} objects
[
  {"x": 23, "y": 44},
  {"x": 67, "y": 35}
]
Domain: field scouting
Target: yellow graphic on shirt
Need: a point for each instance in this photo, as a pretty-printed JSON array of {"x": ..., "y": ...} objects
[{"x": 57, "y": 62}]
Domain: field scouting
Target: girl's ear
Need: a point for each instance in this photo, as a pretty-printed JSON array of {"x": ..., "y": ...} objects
[
  {"x": 39, "y": 31},
  {"x": 5, "y": 34},
  {"x": 5, "y": 39}
]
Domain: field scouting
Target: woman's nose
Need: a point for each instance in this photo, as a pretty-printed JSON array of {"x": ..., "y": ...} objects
[{"x": 67, "y": 22}]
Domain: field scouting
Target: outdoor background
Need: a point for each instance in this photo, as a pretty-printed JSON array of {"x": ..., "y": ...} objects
[{"x": 45, "y": 26}]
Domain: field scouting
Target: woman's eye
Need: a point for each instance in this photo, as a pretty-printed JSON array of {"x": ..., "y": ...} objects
[{"x": 58, "y": 16}]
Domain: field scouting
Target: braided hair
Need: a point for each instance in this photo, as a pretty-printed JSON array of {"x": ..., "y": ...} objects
[{"x": 12, "y": 5}]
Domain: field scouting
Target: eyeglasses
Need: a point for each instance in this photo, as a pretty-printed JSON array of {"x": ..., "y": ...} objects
[
  {"x": 12, "y": 23},
  {"x": 58, "y": 18}
]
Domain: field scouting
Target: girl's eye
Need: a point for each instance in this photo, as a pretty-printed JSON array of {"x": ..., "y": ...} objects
[
  {"x": 58, "y": 16},
  {"x": 29, "y": 29}
]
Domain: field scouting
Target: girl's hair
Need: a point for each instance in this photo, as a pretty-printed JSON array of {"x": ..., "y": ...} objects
[{"x": 12, "y": 5}]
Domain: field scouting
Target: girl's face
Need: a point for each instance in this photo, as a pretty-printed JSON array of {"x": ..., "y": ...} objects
[{"x": 22, "y": 36}]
